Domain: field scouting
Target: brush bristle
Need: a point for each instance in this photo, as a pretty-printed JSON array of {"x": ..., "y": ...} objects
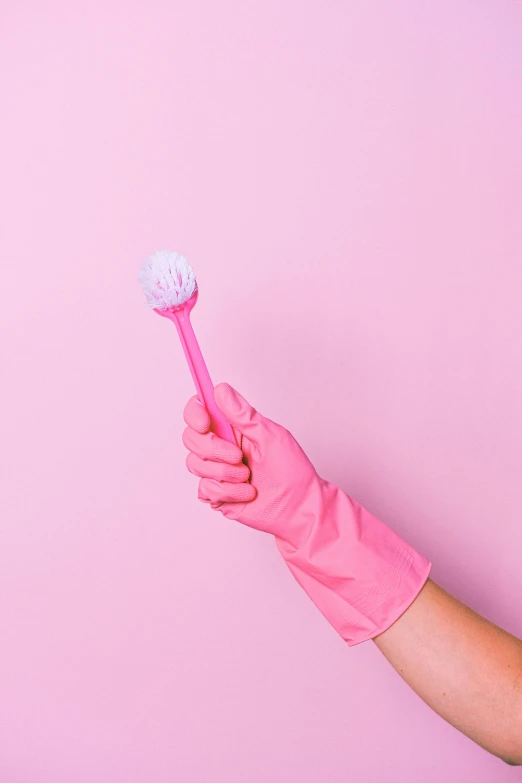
[{"x": 167, "y": 279}]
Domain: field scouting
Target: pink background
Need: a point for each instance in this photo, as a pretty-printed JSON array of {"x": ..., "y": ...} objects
[{"x": 347, "y": 180}]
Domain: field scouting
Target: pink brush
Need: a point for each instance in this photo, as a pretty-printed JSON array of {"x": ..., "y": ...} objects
[{"x": 170, "y": 287}]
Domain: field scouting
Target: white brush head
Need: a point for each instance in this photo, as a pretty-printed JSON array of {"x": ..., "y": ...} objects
[{"x": 167, "y": 279}]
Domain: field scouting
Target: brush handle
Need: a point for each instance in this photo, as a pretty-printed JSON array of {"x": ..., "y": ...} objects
[{"x": 205, "y": 388}]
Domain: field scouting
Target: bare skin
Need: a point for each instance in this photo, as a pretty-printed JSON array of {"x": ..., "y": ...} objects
[{"x": 465, "y": 668}]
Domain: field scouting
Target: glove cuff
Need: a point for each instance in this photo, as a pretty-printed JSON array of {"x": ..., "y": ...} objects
[{"x": 360, "y": 574}]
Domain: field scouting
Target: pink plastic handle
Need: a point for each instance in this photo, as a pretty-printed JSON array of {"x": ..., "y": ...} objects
[{"x": 204, "y": 386}]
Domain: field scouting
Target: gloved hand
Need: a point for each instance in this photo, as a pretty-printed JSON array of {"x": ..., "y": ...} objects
[{"x": 357, "y": 571}]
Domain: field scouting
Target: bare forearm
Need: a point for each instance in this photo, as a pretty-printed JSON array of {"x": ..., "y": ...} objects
[{"x": 464, "y": 667}]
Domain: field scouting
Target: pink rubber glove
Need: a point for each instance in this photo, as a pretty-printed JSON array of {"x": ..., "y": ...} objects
[{"x": 357, "y": 571}]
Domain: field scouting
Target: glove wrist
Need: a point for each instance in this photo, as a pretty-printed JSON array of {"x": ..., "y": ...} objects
[{"x": 359, "y": 573}]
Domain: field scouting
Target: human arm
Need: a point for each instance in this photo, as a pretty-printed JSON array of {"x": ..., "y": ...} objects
[{"x": 463, "y": 666}]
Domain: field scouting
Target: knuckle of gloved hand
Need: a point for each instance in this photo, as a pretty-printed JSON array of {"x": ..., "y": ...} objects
[
  {"x": 202, "y": 491},
  {"x": 187, "y": 437},
  {"x": 198, "y": 443},
  {"x": 210, "y": 489},
  {"x": 191, "y": 462},
  {"x": 191, "y": 421}
]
